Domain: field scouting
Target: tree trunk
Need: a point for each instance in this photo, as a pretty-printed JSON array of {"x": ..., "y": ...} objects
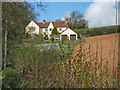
[{"x": 5, "y": 50}]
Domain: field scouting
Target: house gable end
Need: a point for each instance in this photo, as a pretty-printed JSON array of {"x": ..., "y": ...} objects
[
  {"x": 32, "y": 24},
  {"x": 51, "y": 25},
  {"x": 69, "y": 31}
]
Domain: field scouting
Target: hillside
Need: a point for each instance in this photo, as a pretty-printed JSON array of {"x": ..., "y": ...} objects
[{"x": 97, "y": 31}]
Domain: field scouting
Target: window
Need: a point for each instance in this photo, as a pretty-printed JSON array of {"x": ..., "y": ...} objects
[
  {"x": 46, "y": 29},
  {"x": 32, "y": 28},
  {"x": 60, "y": 29},
  {"x": 50, "y": 29}
]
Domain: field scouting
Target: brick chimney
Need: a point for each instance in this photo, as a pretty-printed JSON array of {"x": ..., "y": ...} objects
[
  {"x": 43, "y": 21},
  {"x": 66, "y": 20}
]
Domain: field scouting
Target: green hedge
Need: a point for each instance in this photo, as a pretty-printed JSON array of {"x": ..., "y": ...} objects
[{"x": 97, "y": 31}]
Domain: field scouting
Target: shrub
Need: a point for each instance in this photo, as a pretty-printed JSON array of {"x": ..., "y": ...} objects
[
  {"x": 11, "y": 78},
  {"x": 26, "y": 63},
  {"x": 37, "y": 39},
  {"x": 55, "y": 31}
]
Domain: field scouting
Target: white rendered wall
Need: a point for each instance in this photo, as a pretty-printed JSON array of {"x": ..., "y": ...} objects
[
  {"x": 32, "y": 24},
  {"x": 68, "y": 32},
  {"x": 63, "y": 28}
]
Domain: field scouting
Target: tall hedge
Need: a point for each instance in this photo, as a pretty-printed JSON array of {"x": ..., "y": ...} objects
[{"x": 98, "y": 31}]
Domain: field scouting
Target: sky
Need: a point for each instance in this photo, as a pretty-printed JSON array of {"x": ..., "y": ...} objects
[
  {"x": 56, "y": 10},
  {"x": 101, "y": 14},
  {"x": 97, "y": 13}
]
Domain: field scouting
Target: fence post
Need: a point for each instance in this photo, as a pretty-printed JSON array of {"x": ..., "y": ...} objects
[{"x": 118, "y": 75}]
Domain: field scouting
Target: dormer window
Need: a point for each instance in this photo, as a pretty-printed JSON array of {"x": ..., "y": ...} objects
[{"x": 32, "y": 28}]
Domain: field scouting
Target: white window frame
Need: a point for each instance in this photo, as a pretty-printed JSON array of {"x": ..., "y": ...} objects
[{"x": 32, "y": 28}]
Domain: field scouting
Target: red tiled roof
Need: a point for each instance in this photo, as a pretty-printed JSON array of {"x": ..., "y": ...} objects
[
  {"x": 59, "y": 24},
  {"x": 45, "y": 25},
  {"x": 55, "y": 24}
]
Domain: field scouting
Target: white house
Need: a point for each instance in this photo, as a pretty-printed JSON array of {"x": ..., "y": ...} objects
[
  {"x": 68, "y": 34},
  {"x": 32, "y": 28},
  {"x": 45, "y": 28}
]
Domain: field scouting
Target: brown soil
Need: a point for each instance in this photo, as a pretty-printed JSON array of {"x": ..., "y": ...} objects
[{"x": 104, "y": 46}]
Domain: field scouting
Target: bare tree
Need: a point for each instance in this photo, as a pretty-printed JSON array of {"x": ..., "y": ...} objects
[{"x": 76, "y": 20}]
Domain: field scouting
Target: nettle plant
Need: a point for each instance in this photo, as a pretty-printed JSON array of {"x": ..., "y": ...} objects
[{"x": 81, "y": 71}]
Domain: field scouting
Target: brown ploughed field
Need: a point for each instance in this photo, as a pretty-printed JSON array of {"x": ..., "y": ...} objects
[{"x": 101, "y": 49}]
